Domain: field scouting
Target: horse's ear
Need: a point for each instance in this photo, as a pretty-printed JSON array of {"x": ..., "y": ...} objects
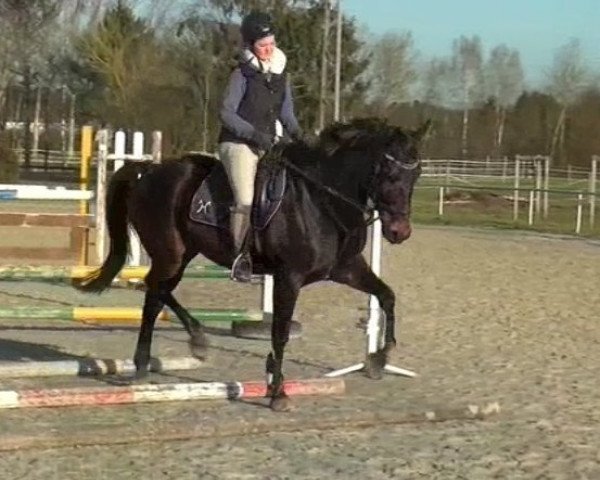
[{"x": 423, "y": 131}]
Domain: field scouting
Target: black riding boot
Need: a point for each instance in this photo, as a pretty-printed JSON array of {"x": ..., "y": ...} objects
[{"x": 241, "y": 270}]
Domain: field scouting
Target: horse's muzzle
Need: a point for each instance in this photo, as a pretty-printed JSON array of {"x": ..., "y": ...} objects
[{"x": 397, "y": 231}]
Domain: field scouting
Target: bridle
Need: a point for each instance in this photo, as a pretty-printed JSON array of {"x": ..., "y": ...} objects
[
  {"x": 401, "y": 164},
  {"x": 368, "y": 211}
]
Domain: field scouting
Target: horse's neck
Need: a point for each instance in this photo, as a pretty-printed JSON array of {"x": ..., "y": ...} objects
[
  {"x": 348, "y": 174},
  {"x": 347, "y": 177}
]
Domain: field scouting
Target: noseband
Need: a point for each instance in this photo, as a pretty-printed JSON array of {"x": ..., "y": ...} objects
[{"x": 403, "y": 165}]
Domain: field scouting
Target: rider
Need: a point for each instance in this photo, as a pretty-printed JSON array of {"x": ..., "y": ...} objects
[{"x": 257, "y": 107}]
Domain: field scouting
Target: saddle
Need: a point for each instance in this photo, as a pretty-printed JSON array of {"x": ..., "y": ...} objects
[{"x": 213, "y": 199}]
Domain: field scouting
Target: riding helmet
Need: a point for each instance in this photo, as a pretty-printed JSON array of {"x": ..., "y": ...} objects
[{"x": 256, "y": 25}]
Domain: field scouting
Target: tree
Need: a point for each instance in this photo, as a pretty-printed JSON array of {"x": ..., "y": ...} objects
[
  {"x": 27, "y": 26},
  {"x": 392, "y": 68},
  {"x": 324, "y": 63},
  {"x": 568, "y": 79},
  {"x": 466, "y": 65},
  {"x": 530, "y": 124},
  {"x": 121, "y": 50},
  {"x": 436, "y": 83},
  {"x": 584, "y": 119},
  {"x": 504, "y": 84},
  {"x": 199, "y": 53},
  {"x": 6, "y": 72}
]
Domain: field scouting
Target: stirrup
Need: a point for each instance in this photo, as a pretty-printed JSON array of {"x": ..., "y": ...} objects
[{"x": 241, "y": 270}]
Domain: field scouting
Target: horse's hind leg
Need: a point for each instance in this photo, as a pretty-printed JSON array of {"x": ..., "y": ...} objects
[
  {"x": 357, "y": 274},
  {"x": 198, "y": 339},
  {"x": 161, "y": 280}
]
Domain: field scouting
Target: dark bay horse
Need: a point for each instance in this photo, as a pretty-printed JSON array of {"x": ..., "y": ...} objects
[{"x": 318, "y": 233}]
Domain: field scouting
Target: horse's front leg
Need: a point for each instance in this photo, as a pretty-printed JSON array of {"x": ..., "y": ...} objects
[
  {"x": 285, "y": 293},
  {"x": 356, "y": 273}
]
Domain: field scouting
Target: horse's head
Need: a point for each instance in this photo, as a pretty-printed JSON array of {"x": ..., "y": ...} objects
[
  {"x": 388, "y": 162},
  {"x": 397, "y": 168}
]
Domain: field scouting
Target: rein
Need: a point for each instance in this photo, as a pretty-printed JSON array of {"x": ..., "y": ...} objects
[{"x": 368, "y": 211}]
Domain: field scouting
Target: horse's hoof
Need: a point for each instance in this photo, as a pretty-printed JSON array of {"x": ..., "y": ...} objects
[
  {"x": 199, "y": 347},
  {"x": 281, "y": 404},
  {"x": 389, "y": 346},
  {"x": 199, "y": 351}
]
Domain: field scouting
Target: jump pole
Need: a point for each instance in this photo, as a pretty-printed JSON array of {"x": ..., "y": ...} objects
[
  {"x": 376, "y": 321},
  {"x": 124, "y": 314},
  {"x": 92, "y": 366},
  {"x": 91, "y": 396},
  {"x": 54, "y": 274}
]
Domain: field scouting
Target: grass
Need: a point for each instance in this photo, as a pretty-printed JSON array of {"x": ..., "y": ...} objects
[{"x": 488, "y": 206}]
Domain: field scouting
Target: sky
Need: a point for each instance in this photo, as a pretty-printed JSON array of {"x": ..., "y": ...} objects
[{"x": 534, "y": 27}]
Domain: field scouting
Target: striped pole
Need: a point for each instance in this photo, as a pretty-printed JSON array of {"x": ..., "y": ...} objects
[
  {"x": 92, "y": 366},
  {"x": 50, "y": 273},
  {"x": 124, "y": 315},
  {"x": 65, "y": 397}
]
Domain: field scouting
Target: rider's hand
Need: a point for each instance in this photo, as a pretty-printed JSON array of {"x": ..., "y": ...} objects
[{"x": 263, "y": 140}]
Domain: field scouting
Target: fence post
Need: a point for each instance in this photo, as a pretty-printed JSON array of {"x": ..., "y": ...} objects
[
  {"x": 516, "y": 190},
  {"x": 267, "y": 298},
  {"x": 138, "y": 145},
  {"x": 120, "y": 141},
  {"x": 157, "y": 146},
  {"x": 135, "y": 245},
  {"x": 546, "y": 185},
  {"x": 84, "y": 181},
  {"x": 101, "y": 193},
  {"x": 531, "y": 202},
  {"x": 593, "y": 178},
  {"x": 537, "y": 163},
  {"x": 579, "y": 213},
  {"x": 441, "y": 202}
]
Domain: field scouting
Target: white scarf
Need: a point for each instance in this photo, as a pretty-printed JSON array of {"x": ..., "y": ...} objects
[{"x": 275, "y": 65}]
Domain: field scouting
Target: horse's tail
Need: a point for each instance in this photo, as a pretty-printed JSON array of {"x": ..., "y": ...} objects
[{"x": 117, "y": 194}]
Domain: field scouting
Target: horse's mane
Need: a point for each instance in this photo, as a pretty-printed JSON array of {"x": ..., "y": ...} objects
[
  {"x": 359, "y": 132},
  {"x": 299, "y": 153},
  {"x": 354, "y": 134}
]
